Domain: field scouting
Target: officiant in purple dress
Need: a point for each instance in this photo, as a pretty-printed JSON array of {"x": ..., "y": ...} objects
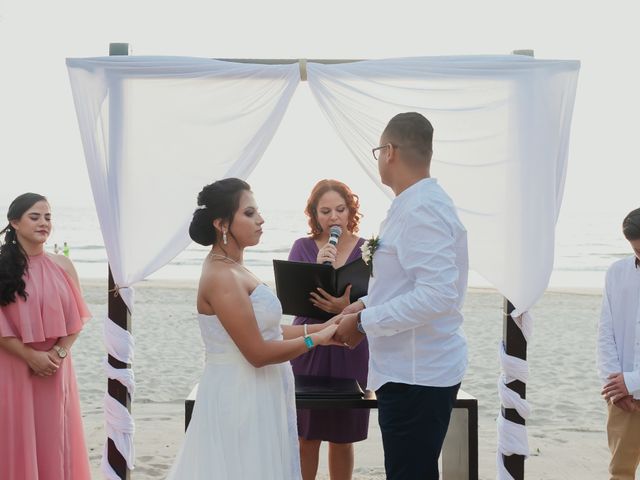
[{"x": 331, "y": 203}]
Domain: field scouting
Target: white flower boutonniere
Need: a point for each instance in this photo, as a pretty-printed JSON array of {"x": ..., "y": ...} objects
[{"x": 368, "y": 249}]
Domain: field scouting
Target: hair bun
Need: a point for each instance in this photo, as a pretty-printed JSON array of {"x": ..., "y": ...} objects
[
  {"x": 205, "y": 195},
  {"x": 201, "y": 229}
]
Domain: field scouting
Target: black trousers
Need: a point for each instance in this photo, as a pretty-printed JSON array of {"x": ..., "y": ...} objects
[{"x": 413, "y": 420}]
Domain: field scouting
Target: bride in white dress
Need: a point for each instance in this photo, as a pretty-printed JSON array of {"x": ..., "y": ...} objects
[{"x": 244, "y": 421}]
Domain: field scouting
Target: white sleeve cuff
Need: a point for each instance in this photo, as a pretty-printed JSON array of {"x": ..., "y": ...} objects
[
  {"x": 364, "y": 300},
  {"x": 370, "y": 320},
  {"x": 632, "y": 381}
]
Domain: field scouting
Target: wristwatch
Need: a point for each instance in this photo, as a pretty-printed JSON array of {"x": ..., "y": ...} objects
[
  {"x": 61, "y": 351},
  {"x": 359, "y": 324}
]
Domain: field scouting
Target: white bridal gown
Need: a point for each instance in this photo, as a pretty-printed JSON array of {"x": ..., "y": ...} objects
[{"x": 244, "y": 420}]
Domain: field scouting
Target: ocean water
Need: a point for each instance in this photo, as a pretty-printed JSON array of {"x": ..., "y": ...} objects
[{"x": 586, "y": 244}]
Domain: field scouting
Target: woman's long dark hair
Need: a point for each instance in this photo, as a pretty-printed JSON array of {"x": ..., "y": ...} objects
[{"x": 14, "y": 261}]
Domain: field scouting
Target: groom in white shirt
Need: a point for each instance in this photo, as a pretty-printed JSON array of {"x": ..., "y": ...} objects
[{"x": 411, "y": 316}]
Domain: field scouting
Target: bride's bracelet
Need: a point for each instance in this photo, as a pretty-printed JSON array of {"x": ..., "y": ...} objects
[{"x": 308, "y": 341}]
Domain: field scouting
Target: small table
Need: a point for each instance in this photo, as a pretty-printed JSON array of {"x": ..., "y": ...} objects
[{"x": 460, "y": 449}]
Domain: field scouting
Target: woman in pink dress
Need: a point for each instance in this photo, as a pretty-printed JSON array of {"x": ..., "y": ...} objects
[{"x": 41, "y": 314}]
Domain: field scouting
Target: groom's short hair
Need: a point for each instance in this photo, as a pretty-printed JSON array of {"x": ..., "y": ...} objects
[
  {"x": 413, "y": 133},
  {"x": 631, "y": 225}
]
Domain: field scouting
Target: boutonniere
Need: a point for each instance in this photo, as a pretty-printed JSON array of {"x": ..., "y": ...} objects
[{"x": 368, "y": 248}]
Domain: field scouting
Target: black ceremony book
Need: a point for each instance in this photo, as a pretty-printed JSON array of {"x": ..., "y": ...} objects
[
  {"x": 312, "y": 387},
  {"x": 295, "y": 280}
]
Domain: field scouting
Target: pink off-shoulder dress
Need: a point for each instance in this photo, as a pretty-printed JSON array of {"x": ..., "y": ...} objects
[{"x": 41, "y": 435}]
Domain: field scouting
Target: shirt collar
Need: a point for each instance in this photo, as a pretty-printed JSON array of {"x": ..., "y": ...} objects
[{"x": 411, "y": 192}]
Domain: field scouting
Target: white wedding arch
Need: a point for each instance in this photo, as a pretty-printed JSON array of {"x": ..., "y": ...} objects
[{"x": 502, "y": 123}]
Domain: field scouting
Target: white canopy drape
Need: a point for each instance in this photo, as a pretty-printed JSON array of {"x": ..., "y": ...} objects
[
  {"x": 143, "y": 119},
  {"x": 500, "y": 146},
  {"x": 501, "y": 123}
]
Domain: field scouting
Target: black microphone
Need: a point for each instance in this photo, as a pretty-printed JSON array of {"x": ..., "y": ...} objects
[{"x": 334, "y": 235}]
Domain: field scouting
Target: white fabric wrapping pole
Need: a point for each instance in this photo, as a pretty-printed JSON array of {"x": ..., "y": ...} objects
[
  {"x": 503, "y": 473},
  {"x": 124, "y": 375},
  {"x": 524, "y": 322},
  {"x": 119, "y": 423},
  {"x": 107, "y": 471},
  {"x": 120, "y": 428},
  {"x": 512, "y": 438},
  {"x": 163, "y": 119},
  {"x": 513, "y": 368},
  {"x": 118, "y": 342}
]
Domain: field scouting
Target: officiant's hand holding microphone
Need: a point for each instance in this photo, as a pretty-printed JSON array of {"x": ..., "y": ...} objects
[
  {"x": 328, "y": 253},
  {"x": 327, "y": 256}
]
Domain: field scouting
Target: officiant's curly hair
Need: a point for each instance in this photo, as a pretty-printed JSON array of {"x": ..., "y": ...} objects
[
  {"x": 351, "y": 199},
  {"x": 14, "y": 261}
]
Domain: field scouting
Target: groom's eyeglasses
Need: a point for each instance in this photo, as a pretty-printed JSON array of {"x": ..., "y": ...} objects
[{"x": 376, "y": 151}]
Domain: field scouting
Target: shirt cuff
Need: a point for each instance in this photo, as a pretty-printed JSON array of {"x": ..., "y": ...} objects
[
  {"x": 632, "y": 381},
  {"x": 364, "y": 300},
  {"x": 369, "y": 318}
]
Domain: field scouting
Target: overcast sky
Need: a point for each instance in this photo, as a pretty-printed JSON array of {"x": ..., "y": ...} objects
[{"x": 40, "y": 147}]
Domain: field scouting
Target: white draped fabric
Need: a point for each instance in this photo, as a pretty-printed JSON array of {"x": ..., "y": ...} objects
[
  {"x": 501, "y": 141},
  {"x": 154, "y": 131},
  {"x": 500, "y": 146}
]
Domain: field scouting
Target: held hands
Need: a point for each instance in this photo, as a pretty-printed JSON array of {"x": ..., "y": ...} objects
[
  {"x": 325, "y": 336},
  {"x": 347, "y": 333},
  {"x": 355, "y": 307},
  {"x": 329, "y": 303},
  {"x": 615, "y": 390},
  {"x": 43, "y": 364}
]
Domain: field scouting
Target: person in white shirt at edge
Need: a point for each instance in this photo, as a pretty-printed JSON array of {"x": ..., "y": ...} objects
[
  {"x": 619, "y": 355},
  {"x": 412, "y": 314}
]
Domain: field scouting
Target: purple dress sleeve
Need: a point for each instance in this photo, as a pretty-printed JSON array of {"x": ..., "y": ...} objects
[{"x": 303, "y": 250}]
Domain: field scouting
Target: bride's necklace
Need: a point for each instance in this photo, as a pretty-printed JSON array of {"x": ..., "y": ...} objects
[{"x": 217, "y": 255}]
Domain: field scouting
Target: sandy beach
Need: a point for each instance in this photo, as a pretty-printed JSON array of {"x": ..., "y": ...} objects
[{"x": 566, "y": 431}]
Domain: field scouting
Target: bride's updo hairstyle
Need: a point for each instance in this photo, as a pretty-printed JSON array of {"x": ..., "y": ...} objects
[{"x": 219, "y": 200}]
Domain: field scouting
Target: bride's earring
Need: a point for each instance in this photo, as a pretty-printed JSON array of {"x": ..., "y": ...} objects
[{"x": 224, "y": 237}]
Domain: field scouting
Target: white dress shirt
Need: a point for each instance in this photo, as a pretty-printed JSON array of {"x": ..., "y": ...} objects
[
  {"x": 619, "y": 327},
  {"x": 412, "y": 317}
]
